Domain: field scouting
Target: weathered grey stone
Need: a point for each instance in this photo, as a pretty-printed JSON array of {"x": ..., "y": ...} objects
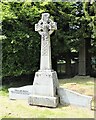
[
  {"x": 45, "y": 82},
  {"x": 20, "y": 93},
  {"x": 45, "y": 27},
  {"x": 45, "y": 90},
  {"x": 43, "y": 100},
  {"x": 71, "y": 97}
]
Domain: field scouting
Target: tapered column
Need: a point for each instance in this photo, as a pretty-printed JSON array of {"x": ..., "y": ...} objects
[{"x": 45, "y": 62}]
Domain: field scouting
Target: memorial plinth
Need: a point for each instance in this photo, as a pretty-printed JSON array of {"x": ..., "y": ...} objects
[{"x": 45, "y": 81}]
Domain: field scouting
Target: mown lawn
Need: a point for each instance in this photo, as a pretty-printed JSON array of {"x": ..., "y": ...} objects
[{"x": 21, "y": 109}]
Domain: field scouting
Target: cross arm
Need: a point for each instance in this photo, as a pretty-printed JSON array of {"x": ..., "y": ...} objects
[
  {"x": 38, "y": 26},
  {"x": 52, "y": 26}
]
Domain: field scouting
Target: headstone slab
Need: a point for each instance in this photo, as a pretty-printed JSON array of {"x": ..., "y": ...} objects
[{"x": 20, "y": 92}]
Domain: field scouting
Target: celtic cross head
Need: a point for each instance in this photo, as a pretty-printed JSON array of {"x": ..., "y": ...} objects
[{"x": 45, "y": 25}]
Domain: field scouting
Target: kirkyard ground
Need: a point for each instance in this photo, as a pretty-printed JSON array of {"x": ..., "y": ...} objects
[{"x": 21, "y": 109}]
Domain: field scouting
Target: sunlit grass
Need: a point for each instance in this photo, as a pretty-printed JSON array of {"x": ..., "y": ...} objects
[
  {"x": 4, "y": 91},
  {"x": 83, "y": 85},
  {"x": 21, "y": 109}
]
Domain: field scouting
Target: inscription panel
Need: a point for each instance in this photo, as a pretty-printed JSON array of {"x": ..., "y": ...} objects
[{"x": 24, "y": 92}]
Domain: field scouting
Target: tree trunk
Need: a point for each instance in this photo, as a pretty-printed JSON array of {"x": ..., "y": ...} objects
[
  {"x": 88, "y": 56},
  {"x": 84, "y": 57},
  {"x": 68, "y": 64}
]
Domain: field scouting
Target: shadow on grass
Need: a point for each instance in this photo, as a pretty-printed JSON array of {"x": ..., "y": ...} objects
[{"x": 62, "y": 106}]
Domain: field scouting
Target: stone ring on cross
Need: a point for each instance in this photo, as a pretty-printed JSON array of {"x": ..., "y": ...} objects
[{"x": 45, "y": 25}]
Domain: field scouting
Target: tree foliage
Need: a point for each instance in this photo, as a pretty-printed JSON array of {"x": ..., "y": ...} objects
[
  {"x": 21, "y": 47},
  {"x": 21, "y": 44}
]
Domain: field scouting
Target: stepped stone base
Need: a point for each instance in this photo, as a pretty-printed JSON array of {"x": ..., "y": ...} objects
[
  {"x": 44, "y": 89},
  {"x": 43, "y": 100}
]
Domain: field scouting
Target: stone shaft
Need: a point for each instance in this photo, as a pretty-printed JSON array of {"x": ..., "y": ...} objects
[
  {"x": 45, "y": 27},
  {"x": 45, "y": 61}
]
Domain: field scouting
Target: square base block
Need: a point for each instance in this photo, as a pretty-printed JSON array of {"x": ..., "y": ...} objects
[{"x": 43, "y": 100}]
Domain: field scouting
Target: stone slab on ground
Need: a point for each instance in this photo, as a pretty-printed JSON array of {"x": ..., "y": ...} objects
[
  {"x": 20, "y": 92},
  {"x": 74, "y": 98},
  {"x": 43, "y": 100}
]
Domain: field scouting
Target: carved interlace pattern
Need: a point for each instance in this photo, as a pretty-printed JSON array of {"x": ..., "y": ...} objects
[
  {"x": 45, "y": 27},
  {"x": 45, "y": 45}
]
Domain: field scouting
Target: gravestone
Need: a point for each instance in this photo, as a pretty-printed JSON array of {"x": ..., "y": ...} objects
[
  {"x": 45, "y": 90},
  {"x": 45, "y": 82}
]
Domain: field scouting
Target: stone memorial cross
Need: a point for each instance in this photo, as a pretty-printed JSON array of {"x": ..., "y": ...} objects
[
  {"x": 45, "y": 90},
  {"x": 45, "y": 27}
]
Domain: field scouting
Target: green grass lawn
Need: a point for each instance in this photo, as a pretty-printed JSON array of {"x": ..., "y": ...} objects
[{"x": 21, "y": 109}]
